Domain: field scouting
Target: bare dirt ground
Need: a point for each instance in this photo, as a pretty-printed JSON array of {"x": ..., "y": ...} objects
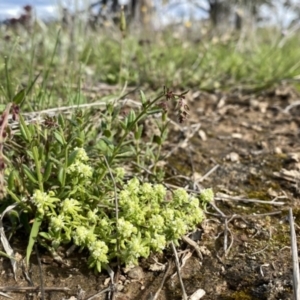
[{"x": 251, "y": 145}]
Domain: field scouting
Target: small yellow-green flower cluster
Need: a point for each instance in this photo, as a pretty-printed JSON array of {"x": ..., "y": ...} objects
[
  {"x": 125, "y": 228},
  {"x": 206, "y": 196},
  {"x": 57, "y": 223},
  {"x": 147, "y": 222},
  {"x": 71, "y": 207},
  {"x": 119, "y": 173},
  {"x": 98, "y": 251},
  {"x": 79, "y": 169},
  {"x": 45, "y": 202}
]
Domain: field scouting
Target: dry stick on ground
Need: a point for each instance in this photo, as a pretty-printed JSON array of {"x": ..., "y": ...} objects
[
  {"x": 194, "y": 245},
  {"x": 25, "y": 289},
  {"x": 41, "y": 273},
  {"x": 208, "y": 173},
  {"x": 296, "y": 278},
  {"x": 4, "y": 241},
  {"x": 185, "y": 255},
  {"x": 162, "y": 282},
  {"x": 224, "y": 197},
  {"x": 278, "y": 212},
  {"x": 290, "y": 106},
  {"x": 5, "y": 295},
  {"x": 98, "y": 294},
  {"x": 226, "y": 230},
  {"x": 184, "y": 295},
  {"x": 226, "y": 249}
]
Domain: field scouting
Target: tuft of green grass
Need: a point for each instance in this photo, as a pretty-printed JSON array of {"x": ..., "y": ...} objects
[{"x": 157, "y": 60}]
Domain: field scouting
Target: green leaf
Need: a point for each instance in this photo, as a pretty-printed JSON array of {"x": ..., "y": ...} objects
[
  {"x": 131, "y": 117},
  {"x": 14, "y": 218},
  {"x": 13, "y": 175},
  {"x": 125, "y": 154},
  {"x": 107, "y": 133},
  {"x": 37, "y": 161},
  {"x": 157, "y": 139},
  {"x": 61, "y": 121},
  {"x": 33, "y": 235},
  {"x": 143, "y": 97},
  {"x": 19, "y": 97},
  {"x": 8, "y": 79},
  {"x": 62, "y": 176},
  {"x": 58, "y": 136},
  {"x": 138, "y": 132},
  {"x": 6, "y": 255},
  {"x": 24, "y": 130},
  {"x": 72, "y": 157},
  {"x": 31, "y": 176},
  {"x": 107, "y": 141},
  {"x": 98, "y": 266},
  {"x": 45, "y": 235},
  {"x": 124, "y": 124},
  {"x": 154, "y": 111},
  {"x": 48, "y": 170}
]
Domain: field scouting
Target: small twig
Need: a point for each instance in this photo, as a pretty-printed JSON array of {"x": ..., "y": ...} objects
[
  {"x": 71, "y": 250},
  {"x": 296, "y": 278},
  {"x": 231, "y": 242},
  {"x": 41, "y": 273},
  {"x": 111, "y": 294},
  {"x": 26, "y": 272},
  {"x": 225, "y": 235},
  {"x": 218, "y": 210},
  {"x": 173, "y": 186},
  {"x": 230, "y": 198},
  {"x": 261, "y": 269},
  {"x": 194, "y": 245},
  {"x": 266, "y": 214},
  {"x": 292, "y": 105},
  {"x": 21, "y": 289},
  {"x": 100, "y": 293},
  {"x": 162, "y": 282},
  {"x": 208, "y": 173},
  {"x": 5, "y": 295},
  {"x": 184, "y": 295},
  {"x": 4, "y": 241},
  {"x": 259, "y": 251}
]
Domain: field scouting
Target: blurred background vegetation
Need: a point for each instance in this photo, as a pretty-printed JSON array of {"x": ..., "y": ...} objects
[{"x": 237, "y": 46}]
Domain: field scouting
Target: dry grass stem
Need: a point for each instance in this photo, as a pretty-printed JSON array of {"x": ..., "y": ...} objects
[
  {"x": 184, "y": 295},
  {"x": 296, "y": 276},
  {"x": 223, "y": 197},
  {"x": 156, "y": 295}
]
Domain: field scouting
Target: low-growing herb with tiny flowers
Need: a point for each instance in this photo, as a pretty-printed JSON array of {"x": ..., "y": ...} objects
[
  {"x": 147, "y": 222},
  {"x": 82, "y": 194}
]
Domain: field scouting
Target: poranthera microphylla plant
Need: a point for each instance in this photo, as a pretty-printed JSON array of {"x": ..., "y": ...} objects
[{"x": 71, "y": 197}]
